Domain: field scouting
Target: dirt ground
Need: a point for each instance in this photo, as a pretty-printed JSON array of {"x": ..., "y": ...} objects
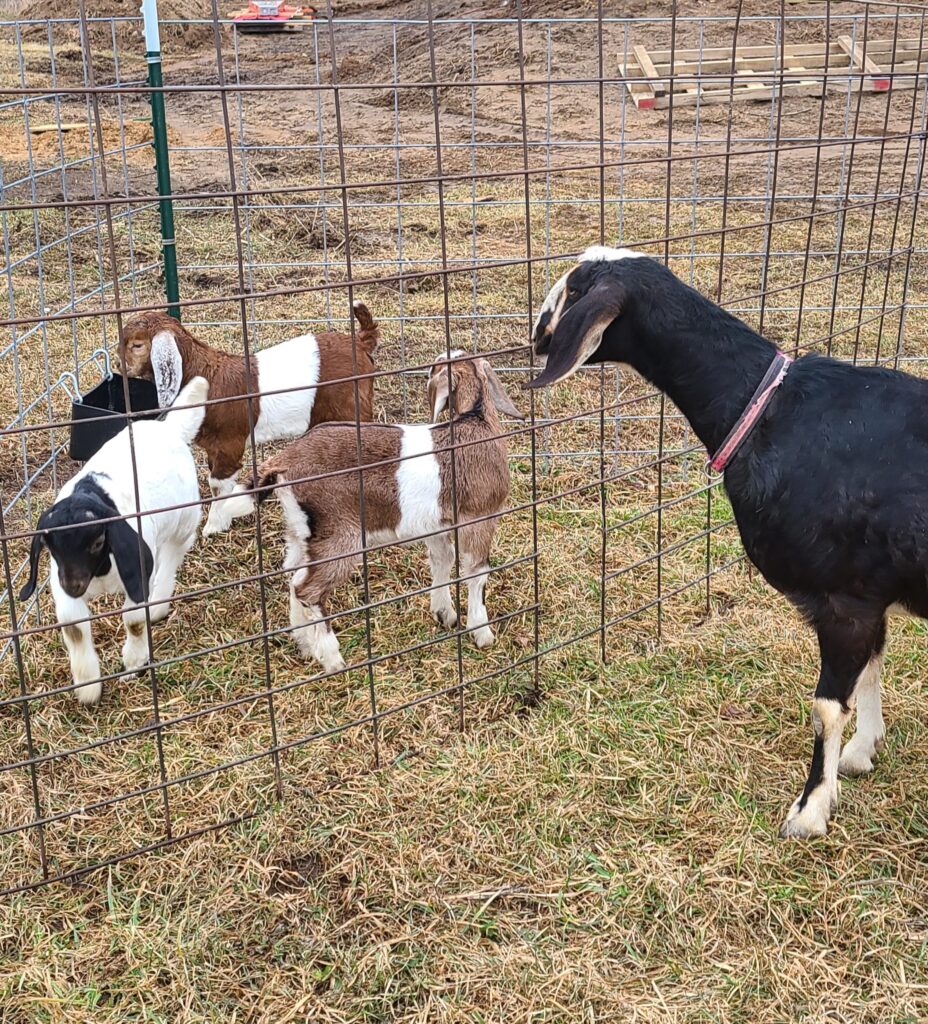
[{"x": 598, "y": 842}]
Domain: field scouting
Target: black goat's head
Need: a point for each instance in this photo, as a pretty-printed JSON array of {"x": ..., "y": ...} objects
[
  {"x": 577, "y": 311},
  {"x": 82, "y": 545}
]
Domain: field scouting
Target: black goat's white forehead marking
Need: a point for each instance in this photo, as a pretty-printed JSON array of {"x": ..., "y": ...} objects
[
  {"x": 605, "y": 253},
  {"x": 594, "y": 254},
  {"x": 551, "y": 299}
]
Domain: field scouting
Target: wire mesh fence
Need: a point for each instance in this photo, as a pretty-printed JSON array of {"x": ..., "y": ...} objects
[{"x": 445, "y": 170}]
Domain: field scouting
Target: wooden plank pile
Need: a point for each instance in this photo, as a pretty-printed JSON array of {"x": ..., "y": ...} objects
[{"x": 716, "y": 74}]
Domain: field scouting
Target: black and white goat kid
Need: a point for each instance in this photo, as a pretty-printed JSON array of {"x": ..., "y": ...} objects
[
  {"x": 829, "y": 488},
  {"x": 92, "y": 553}
]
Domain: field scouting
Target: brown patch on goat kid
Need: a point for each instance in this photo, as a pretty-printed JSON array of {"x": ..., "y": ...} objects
[{"x": 332, "y": 501}]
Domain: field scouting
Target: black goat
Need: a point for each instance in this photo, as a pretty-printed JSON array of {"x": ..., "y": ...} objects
[{"x": 829, "y": 488}]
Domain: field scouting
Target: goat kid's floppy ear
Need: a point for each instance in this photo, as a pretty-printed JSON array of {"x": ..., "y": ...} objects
[
  {"x": 124, "y": 546},
  {"x": 167, "y": 367},
  {"x": 579, "y": 332},
  {"x": 438, "y": 390},
  {"x": 498, "y": 394},
  {"x": 34, "y": 554}
]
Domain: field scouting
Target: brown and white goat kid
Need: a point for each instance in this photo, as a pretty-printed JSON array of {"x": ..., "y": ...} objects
[
  {"x": 156, "y": 346},
  {"x": 409, "y": 494}
]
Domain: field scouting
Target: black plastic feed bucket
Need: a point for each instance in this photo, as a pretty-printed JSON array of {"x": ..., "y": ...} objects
[{"x": 89, "y": 432}]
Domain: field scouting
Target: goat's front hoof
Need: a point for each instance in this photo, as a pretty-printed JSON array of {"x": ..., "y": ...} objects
[
  {"x": 809, "y": 821},
  {"x": 134, "y": 660},
  {"x": 159, "y": 613},
  {"x": 213, "y": 526},
  {"x": 447, "y": 618},
  {"x": 335, "y": 665},
  {"x": 484, "y": 637},
  {"x": 89, "y": 694}
]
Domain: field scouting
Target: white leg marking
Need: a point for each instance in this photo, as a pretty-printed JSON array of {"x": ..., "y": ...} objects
[
  {"x": 223, "y": 509},
  {"x": 476, "y": 609},
  {"x": 165, "y": 579},
  {"x": 135, "y": 653},
  {"x": 809, "y": 816},
  {"x": 296, "y": 532},
  {"x": 85, "y": 665},
  {"x": 441, "y": 559},
  {"x": 867, "y": 741},
  {"x": 78, "y": 639},
  {"x": 315, "y": 639}
]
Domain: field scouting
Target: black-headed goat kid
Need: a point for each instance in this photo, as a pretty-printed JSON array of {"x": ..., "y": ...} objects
[
  {"x": 93, "y": 553},
  {"x": 826, "y": 466},
  {"x": 410, "y": 493}
]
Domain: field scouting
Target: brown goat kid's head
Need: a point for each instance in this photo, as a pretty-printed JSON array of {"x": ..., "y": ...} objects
[
  {"x": 148, "y": 348},
  {"x": 468, "y": 376}
]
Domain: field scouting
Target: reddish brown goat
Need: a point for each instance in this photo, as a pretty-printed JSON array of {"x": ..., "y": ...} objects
[
  {"x": 420, "y": 481},
  {"x": 296, "y": 384}
]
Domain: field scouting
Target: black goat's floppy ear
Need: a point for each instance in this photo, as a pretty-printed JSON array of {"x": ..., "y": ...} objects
[
  {"x": 579, "y": 332},
  {"x": 124, "y": 546},
  {"x": 35, "y": 553}
]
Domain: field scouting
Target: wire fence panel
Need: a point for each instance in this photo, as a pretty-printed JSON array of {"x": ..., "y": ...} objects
[{"x": 444, "y": 171}]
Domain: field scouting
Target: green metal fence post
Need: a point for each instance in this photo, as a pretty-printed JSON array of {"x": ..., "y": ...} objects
[{"x": 162, "y": 163}]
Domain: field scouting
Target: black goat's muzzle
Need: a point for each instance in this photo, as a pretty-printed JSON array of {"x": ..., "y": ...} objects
[{"x": 74, "y": 586}]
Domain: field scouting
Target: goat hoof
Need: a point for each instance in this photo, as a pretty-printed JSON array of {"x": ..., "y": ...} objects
[
  {"x": 160, "y": 614},
  {"x": 447, "y": 618},
  {"x": 808, "y": 822},
  {"x": 134, "y": 663},
  {"x": 484, "y": 637},
  {"x": 89, "y": 694},
  {"x": 856, "y": 760},
  {"x": 854, "y": 766}
]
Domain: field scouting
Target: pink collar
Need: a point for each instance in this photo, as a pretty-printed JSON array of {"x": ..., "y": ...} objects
[{"x": 773, "y": 378}]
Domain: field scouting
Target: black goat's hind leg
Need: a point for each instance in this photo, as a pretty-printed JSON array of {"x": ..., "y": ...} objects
[
  {"x": 867, "y": 741},
  {"x": 848, "y": 648}
]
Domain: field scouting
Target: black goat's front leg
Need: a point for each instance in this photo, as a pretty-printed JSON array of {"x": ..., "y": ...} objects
[{"x": 848, "y": 648}]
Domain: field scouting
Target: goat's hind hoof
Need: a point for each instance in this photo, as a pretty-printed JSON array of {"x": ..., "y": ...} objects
[
  {"x": 857, "y": 759},
  {"x": 792, "y": 829},
  {"x": 134, "y": 667},
  {"x": 854, "y": 767},
  {"x": 447, "y": 618},
  {"x": 89, "y": 694}
]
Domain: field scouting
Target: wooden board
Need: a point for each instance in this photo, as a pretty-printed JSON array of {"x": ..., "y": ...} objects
[
  {"x": 902, "y": 64},
  {"x": 718, "y": 74}
]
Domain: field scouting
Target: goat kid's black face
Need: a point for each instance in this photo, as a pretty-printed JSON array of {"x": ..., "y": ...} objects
[
  {"x": 82, "y": 546},
  {"x": 569, "y": 333}
]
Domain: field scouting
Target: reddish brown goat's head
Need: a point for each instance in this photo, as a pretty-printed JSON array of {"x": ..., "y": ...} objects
[
  {"x": 148, "y": 348},
  {"x": 468, "y": 374}
]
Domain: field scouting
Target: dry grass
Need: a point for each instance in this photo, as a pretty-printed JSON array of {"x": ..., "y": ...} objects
[{"x": 599, "y": 848}]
